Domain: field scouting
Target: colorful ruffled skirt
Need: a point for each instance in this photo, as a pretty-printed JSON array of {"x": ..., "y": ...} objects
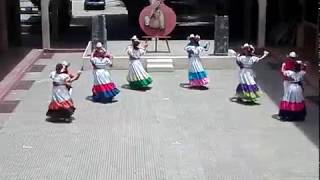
[
  {"x": 247, "y": 89},
  {"x": 104, "y": 89},
  {"x": 137, "y": 77},
  {"x": 197, "y": 75},
  {"x": 61, "y": 105},
  {"x": 292, "y": 107}
]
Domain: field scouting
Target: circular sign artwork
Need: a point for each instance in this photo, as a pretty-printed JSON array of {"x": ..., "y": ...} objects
[{"x": 157, "y": 19}]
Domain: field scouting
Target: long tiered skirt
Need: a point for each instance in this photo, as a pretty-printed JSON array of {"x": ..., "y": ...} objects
[
  {"x": 61, "y": 105},
  {"x": 104, "y": 89},
  {"x": 292, "y": 106},
  {"x": 197, "y": 75},
  {"x": 137, "y": 77},
  {"x": 247, "y": 88}
]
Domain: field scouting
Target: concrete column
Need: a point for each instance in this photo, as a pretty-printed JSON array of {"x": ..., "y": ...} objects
[
  {"x": 55, "y": 19},
  {"x": 301, "y": 27},
  {"x": 247, "y": 19},
  {"x": 262, "y": 6},
  {"x": 3, "y": 26},
  {"x": 45, "y": 24},
  {"x": 13, "y": 22},
  {"x": 318, "y": 43}
]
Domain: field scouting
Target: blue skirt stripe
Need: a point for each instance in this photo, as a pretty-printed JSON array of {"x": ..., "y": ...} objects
[
  {"x": 197, "y": 75},
  {"x": 106, "y": 95}
]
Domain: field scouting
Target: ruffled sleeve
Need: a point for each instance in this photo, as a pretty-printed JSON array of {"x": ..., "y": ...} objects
[
  {"x": 288, "y": 73},
  {"x": 129, "y": 51},
  {"x": 255, "y": 59}
]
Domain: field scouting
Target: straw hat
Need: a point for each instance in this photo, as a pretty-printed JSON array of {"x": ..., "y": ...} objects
[
  {"x": 65, "y": 63},
  {"x": 245, "y": 45},
  {"x": 191, "y": 36},
  {"x": 99, "y": 45},
  {"x": 197, "y": 37},
  {"x": 292, "y": 54},
  {"x": 134, "y": 38}
]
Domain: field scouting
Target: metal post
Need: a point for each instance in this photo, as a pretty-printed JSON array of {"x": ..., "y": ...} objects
[{"x": 45, "y": 24}]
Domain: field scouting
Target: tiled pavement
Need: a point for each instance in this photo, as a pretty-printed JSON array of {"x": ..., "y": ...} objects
[{"x": 168, "y": 132}]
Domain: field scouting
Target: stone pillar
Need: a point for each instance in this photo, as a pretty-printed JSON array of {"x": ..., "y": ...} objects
[
  {"x": 3, "y": 26},
  {"x": 247, "y": 19},
  {"x": 262, "y": 6},
  {"x": 99, "y": 31},
  {"x": 54, "y": 19},
  {"x": 318, "y": 44},
  {"x": 221, "y": 35},
  {"x": 13, "y": 22},
  {"x": 301, "y": 27},
  {"x": 45, "y": 24}
]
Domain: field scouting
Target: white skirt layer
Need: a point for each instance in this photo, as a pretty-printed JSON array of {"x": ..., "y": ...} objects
[
  {"x": 136, "y": 71},
  {"x": 101, "y": 76},
  {"x": 246, "y": 76},
  {"x": 286, "y": 85},
  {"x": 60, "y": 93},
  {"x": 294, "y": 94},
  {"x": 195, "y": 65}
]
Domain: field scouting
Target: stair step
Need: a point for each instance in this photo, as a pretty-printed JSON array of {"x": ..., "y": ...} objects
[
  {"x": 29, "y": 10},
  {"x": 160, "y": 68},
  {"x": 160, "y": 61}
]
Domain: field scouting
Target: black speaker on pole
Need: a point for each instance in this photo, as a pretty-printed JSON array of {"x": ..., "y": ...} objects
[
  {"x": 221, "y": 35},
  {"x": 99, "y": 31}
]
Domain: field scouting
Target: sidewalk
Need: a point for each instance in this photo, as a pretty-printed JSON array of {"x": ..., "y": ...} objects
[
  {"x": 168, "y": 132},
  {"x": 9, "y": 59}
]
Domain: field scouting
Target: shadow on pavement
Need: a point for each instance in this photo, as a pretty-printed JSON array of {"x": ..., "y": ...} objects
[
  {"x": 246, "y": 103},
  {"x": 60, "y": 120},
  {"x": 10, "y": 59},
  {"x": 270, "y": 80},
  {"x": 187, "y": 86},
  {"x": 127, "y": 86},
  {"x": 89, "y": 98}
]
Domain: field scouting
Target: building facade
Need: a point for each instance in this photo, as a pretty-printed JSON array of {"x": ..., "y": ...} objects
[{"x": 272, "y": 22}]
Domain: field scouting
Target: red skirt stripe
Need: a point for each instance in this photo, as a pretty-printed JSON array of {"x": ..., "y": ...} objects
[
  {"x": 291, "y": 106},
  {"x": 54, "y": 105},
  {"x": 103, "y": 87}
]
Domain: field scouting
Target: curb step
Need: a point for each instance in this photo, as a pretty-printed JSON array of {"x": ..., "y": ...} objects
[
  {"x": 160, "y": 61},
  {"x": 160, "y": 68},
  {"x": 160, "y": 65}
]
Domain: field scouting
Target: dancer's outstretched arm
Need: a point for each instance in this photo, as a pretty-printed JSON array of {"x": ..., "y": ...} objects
[
  {"x": 265, "y": 54},
  {"x": 76, "y": 77}
]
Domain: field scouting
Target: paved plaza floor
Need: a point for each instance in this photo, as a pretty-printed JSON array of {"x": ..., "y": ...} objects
[{"x": 166, "y": 133}]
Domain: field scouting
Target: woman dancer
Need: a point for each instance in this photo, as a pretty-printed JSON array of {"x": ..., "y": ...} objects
[
  {"x": 288, "y": 64},
  {"x": 137, "y": 77},
  {"x": 61, "y": 105},
  {"x": 247, "y": 89},
  {"x": 197, "y": 75},
  {"x": 292, "y": 106},
  {"x": 104, "y": 89}
]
